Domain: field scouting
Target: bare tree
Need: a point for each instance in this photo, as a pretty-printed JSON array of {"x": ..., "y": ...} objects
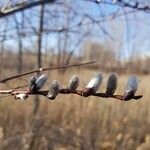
[
  {"x": 19, "y": 28},
  {"x": 36, "y": 103}
]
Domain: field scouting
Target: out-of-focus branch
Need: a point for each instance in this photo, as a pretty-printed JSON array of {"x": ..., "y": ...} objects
[
  {"x": 136, "y": 5},
  {"x": 6, "y": 5},
  {"x": 23, "y": 6},
  {"x": 131, "y": 4}
]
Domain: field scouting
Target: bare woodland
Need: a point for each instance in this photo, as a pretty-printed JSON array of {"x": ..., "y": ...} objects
[{"x": 54, "y": 34}]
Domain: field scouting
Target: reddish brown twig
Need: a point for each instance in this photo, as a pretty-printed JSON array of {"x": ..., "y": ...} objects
[{"x": 66, "y": 91}]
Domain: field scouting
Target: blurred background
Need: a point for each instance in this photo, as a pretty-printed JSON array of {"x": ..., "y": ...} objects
[{"x": 45, "y": 33}]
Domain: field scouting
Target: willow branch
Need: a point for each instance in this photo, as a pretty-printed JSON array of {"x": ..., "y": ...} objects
[
  {"x": 66, "y": 91},
  {"x": 45, "y": 69}
]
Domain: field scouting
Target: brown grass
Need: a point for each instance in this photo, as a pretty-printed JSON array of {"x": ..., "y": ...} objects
[{"x": 73, "y": 122}]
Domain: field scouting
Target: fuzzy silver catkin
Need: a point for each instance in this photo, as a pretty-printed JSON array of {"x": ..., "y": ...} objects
[
  {"x": 95, "y": 82},
  {"x": 131, "y": 87},
  {"x": 111, "y": 84},
  {"x": 41, "y": 81},
  {"x": 132, "y": 84},
  {"x": 73, "y": 83},
  {"x": 32, "y": 83},
  {"x": 53, "y": 90}
]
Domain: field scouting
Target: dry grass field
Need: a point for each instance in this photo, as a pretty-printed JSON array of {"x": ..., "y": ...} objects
[{"x": 71, "y": 122}]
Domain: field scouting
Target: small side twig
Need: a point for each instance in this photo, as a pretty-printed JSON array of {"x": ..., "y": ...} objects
[{"x": 46, "y": 69}]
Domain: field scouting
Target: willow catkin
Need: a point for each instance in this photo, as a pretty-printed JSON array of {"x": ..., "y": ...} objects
[
  {"x": 40, "y": 81},
  {"x": 73, "y": 83},
  {"x": 93, "y": 85},
  {"x": 111, "y": 84},
  {"x": 95, "y": 82},
  {"x": 32, "y": 83},
  {"x": 53, "y": 90},
  {"x": 131, "y": 87}
]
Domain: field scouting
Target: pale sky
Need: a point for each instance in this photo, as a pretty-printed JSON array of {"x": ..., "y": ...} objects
[{"x": 128, "y": 34}]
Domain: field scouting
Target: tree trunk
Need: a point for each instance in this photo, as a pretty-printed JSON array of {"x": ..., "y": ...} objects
[{"x": 36, "y": 102}]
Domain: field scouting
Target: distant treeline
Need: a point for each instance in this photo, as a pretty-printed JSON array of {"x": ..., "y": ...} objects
[{"x": 105, "y": 61}]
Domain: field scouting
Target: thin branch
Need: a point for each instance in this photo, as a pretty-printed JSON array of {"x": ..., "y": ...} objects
[{"x": 46, "y": 69}]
